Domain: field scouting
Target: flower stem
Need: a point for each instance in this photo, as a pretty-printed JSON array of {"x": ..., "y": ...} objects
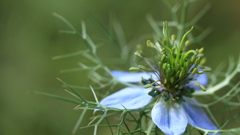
[{"x": 183, "y": 19}]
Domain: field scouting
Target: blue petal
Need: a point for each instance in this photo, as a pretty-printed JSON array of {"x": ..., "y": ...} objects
[
  {"x": 130, "y": 98},
  {"x": 132, "y": 77},
  {"x": 196, "y": 115},
  {"x": 169, "y": 117},
  {"x": 202, "y": 79}
]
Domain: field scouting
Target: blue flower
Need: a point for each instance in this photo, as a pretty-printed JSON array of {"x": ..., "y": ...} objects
[{"x": 170, "y": 117}]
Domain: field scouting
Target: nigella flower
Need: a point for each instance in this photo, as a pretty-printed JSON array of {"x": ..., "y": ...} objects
[
  {"x": 168, "y": 79},
  {"x": 170, "y": 117}
]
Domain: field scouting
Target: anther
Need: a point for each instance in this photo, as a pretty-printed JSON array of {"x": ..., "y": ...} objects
[
  {"x": 187, "y": 43},
  {"x": 201, "y": 50},
  {"x": 173, "y": 37},
  {"x": 195, "y": 70},
  {"x": 133, "y": 69},
  {"x": 202, "y": 87},
  {"x": 149, "y": 43}
]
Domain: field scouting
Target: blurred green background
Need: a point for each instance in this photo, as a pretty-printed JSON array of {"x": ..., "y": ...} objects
[{"x": 29, "y": 38}]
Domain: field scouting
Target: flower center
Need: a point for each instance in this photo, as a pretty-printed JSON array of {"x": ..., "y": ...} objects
[
  {"x": 176, "y": 95},
  {"x": 174, "y": 67}
]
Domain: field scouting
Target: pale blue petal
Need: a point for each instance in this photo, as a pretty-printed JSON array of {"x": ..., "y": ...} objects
[
  {"x": 202, "y": 79},
  {"x": 132, "y": 77},
  {"x": 196, "y": 115},
  {"x": 169, "y": 117},
  {"x": 130, "y": 98}
]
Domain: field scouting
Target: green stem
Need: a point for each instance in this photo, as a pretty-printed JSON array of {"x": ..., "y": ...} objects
[{"x": 183, "y": 19}]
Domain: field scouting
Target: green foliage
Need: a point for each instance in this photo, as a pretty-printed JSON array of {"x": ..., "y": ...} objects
[{"x": 139, "y": 121}]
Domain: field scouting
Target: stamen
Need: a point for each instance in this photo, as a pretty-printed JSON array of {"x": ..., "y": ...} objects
[{"x": 173, "y": 66}]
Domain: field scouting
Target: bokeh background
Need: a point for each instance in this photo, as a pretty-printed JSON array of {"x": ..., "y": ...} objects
[{"x": 29, "y": 38}]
